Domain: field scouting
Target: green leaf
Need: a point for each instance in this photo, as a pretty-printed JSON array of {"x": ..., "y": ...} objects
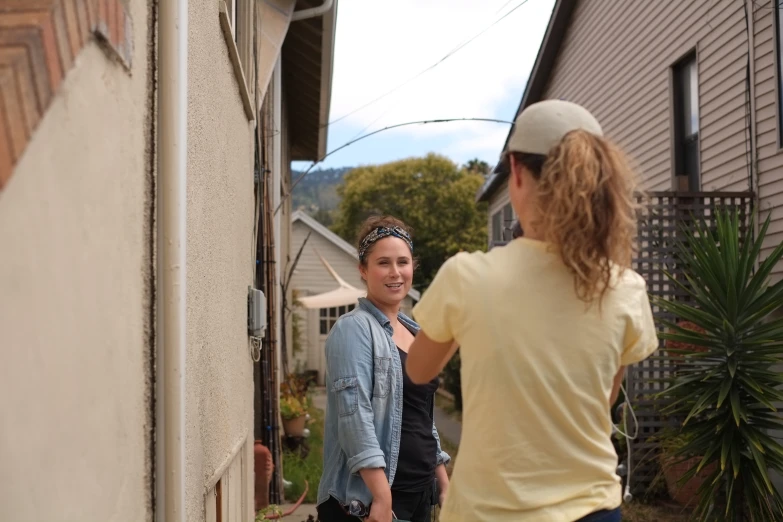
[
  {"x": 735, "y": 460},
  {"x": 724, "y": 391},
  {"x": 735, "y": 405},
  {"x": 732, "y": 366},
  {"x": 726, "y": 448}
]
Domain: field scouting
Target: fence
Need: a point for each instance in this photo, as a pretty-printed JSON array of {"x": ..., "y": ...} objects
[{"x": 659, "y": 231}]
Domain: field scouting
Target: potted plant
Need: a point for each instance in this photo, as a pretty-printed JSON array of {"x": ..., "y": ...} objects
[
  {"x": 678, "y": 350},
  {"x": 675, "y": 468},
  {"x": 671, "y": 440},
  {"x": 726, "y": 390},
  {"x": 293, "y": 410}
]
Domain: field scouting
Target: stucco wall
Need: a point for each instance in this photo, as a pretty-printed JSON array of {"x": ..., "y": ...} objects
[
  {"x": 75, "y": 301},
  {"x": 219, "y": 259}
]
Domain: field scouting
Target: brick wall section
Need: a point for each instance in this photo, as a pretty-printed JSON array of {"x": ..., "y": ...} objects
[{"x": 39, "y": 42}]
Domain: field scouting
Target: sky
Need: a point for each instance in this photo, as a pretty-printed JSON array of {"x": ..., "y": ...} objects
[{"x": 380, "y": 45}]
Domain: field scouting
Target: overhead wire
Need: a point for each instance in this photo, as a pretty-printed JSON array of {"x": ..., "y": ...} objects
[
  {"x": 365, "y": 136},
  {"x": 429, "y": 68}
]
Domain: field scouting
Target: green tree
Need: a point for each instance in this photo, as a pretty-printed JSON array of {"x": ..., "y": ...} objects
[
  {"x": 431, "y": 194},
  {"x": 478, "y": 166},
  {"x": 324, "y": 217}
]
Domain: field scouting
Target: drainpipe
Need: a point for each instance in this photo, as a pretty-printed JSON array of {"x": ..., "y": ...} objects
[
  {"x": 754, "y": 169},
  {"x": 171, "y": 280},
  {"x": 312, "y": 12},
  {"x": 277, "y": 181}
]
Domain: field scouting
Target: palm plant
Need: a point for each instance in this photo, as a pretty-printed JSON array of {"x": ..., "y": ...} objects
[{"x": 726, "y": 387}]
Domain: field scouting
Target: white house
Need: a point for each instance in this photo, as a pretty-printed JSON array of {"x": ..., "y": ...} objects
[{"x": 327, "y": 282}]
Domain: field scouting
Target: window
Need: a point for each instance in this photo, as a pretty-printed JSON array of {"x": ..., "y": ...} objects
[
  {"x": 497, "y": 227},
  {"x": 686, "y": 124},
  {"x": 508, "y": 222},
  {"x": 236, "y": 22},
  {"x": 232, "y": 16},
  {"x": 329, "y": 316}
]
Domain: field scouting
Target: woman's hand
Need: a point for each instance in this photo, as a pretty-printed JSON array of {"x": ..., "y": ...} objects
[
  {"x": 381, "y": 507},
  {"x": 443, "y": 483},
  {"x": 380, "y": 511}
]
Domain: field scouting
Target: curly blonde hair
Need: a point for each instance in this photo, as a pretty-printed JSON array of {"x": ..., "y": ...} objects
[{"x": 586, "y": 208}]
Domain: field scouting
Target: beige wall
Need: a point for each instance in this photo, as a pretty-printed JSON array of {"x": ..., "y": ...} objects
[
  {"x": 220, "y": 261},
  {"x": 75, "y": 301},
  {"x": 616, "y": 61}
]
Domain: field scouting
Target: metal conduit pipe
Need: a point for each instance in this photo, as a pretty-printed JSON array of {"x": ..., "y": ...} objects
[
  {"x": 171, "y": 201},
  {"x": 312, "y": 12}
]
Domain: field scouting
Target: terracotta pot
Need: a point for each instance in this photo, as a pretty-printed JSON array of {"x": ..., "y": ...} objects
[
  {"x": 678, "y": 345},
  {"x": 684, "y": 494},
  {"x": 295, "y": 427},
  {"x": 264, "y": 467}
]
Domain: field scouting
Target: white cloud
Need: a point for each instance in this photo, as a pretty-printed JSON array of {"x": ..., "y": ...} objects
[{"x": 382, "y": 44}]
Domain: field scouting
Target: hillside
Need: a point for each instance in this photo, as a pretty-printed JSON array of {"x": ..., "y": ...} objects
[{"x": 316, "y": 194}]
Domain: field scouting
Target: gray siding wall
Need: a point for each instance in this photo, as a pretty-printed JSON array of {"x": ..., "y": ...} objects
[
  {"x": 310, "y": 276},
  {"x": 616, "y": 60},
  {"x": 770, "y": 159}
]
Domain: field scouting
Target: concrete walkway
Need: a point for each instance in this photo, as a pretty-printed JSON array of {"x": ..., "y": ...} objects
[
  {"x": 448, "y": 428},
  {"x": 306, "y": 510},
  {"x": 301, "y": 513}
]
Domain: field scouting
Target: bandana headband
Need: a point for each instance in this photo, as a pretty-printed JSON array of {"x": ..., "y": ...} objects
[{"x": 381, "y": 232}]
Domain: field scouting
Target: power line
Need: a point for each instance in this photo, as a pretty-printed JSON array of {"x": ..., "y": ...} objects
[
  {"x": 503, "y": 6},
  {"x": 446, "y": 57},
  {"x": 360, "y": 138}
]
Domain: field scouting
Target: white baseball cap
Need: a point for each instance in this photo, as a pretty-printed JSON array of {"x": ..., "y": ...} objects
[{"x": 543, "y": 125}]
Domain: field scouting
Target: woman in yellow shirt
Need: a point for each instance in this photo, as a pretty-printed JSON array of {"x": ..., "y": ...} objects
[{"x": 546, "y": 326}]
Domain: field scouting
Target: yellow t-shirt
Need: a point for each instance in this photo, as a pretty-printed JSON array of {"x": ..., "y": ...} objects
[{"x": 537, "y": 373}]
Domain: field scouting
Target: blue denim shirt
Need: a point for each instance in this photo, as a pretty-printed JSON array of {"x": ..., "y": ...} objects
[{"x": 364, "y": 403}]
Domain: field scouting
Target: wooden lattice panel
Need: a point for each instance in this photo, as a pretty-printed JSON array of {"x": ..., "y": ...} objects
[{"x": 659, "y": 231}]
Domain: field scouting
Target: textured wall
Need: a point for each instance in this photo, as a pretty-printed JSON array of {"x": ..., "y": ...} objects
[
  {"x": 219, "y": 258},
  {"x": 75, "y": 300}
]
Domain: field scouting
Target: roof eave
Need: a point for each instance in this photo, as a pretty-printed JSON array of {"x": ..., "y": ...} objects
[
  {"x": 308, "y": 61},
  {"x": 330, "y": 29}
]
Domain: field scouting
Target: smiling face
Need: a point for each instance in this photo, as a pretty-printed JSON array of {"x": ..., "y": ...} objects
[{"x": 388, "y": 271}]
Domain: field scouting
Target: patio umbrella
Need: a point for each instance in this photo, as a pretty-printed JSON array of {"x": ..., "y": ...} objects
[{"x": 343, "y": 295}]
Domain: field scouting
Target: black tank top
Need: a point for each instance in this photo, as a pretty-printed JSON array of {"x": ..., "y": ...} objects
[{"x": 418, "y": 449}]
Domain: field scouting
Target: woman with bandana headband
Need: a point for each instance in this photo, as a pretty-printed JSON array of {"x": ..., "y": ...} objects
[{"x": 382, "y": 454}]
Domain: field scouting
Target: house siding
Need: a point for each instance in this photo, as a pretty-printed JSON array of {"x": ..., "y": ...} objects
[
  {"x": 770, "y": 160},
  {"x": 616, "y": 59},
  {"x": 310, "y": 273}
]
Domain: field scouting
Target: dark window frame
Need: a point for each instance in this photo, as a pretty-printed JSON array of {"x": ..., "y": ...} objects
[
  {"x": 508, "y": 222},
  {"x": 497, "y": 226},
  {"x": 686, "y": 122},
  {"x": 777, "y": 28}
]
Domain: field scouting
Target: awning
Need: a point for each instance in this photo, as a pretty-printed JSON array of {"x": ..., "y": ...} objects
[
  {"x": 343, "y": 295},
  {"x": 334, "y": 298}
]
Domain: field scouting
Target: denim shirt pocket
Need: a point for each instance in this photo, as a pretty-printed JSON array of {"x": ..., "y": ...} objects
[
  {"x": 382, "y": 376},
  {"x": 347, "y": 392}
]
